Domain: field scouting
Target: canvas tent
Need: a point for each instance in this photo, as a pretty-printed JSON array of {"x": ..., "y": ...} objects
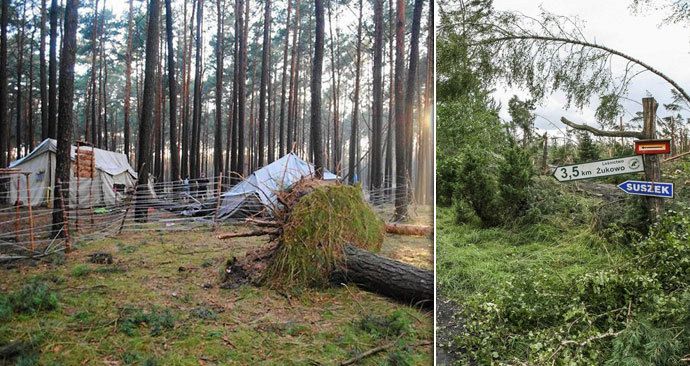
[
  {"x": 111, "y": 170},
  {"x": 259, "y": 189}
]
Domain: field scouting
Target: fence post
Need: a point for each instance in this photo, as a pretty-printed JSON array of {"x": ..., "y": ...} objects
[
  {"x": 652, "y": 165},
  {"x": 31, "y": 216},
  {"x": 220, "y": 188},
  {"x": 65, "y": 220}
]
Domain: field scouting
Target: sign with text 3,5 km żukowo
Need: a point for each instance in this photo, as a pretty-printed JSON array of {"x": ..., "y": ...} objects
[{"x": 601, "y": 168}]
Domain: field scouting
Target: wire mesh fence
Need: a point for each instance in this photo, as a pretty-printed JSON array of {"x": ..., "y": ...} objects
[{"x": 81, "y": 211}]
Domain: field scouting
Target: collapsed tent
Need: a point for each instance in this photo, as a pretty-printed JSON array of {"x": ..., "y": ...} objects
[
  {"x": 259, "y": 189},
  {"x": 112, "y": 177}
]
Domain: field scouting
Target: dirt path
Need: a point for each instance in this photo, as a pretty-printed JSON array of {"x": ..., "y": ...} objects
[{"x": 448, "y": 325}]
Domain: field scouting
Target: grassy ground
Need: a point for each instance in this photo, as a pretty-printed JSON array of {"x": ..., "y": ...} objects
[
  {"x": 474, "y": 264},
  {"x": 160, "y": 303}
]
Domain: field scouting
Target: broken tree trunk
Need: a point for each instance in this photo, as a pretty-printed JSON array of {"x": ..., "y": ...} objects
[{"x": 385, "y": 276}]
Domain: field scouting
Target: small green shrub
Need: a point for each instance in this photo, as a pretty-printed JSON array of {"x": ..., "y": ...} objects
[
  {"x": 156, "y": 319},
  {"x": 388, "y": 326},
  {"x": 81, "y": 270},
  {"x": 33, "y": 297}
]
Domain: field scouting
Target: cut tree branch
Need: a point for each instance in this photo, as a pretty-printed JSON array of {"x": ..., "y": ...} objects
[{"x": 598, "y": 132}]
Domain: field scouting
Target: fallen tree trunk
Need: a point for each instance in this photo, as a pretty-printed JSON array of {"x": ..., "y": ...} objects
[
  {"x": 385, "y": 276},
  {"x": 413, "y": 230}
]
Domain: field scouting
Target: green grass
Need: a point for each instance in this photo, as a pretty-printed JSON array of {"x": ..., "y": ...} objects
[
  {"x": 473, "y": 260},
  {"x": 144, "y": 311}
]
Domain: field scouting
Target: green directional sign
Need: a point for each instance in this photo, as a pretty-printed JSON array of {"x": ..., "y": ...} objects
[{"x": 601, "y": 168}]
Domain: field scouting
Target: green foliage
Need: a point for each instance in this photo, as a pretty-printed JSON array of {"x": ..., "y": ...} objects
[
  {"x": 629, "y": 312},
  {"x": 81, "y": 270},
  {"x": 515, "y": 174},
  {"x": 522, "y": 117},
  {"x": 390, "y": 326},
  {"x": 33, "y": 297},
  {"x": 158, "y": 320},
  {"x": 586, "y": 150},
  {"x": 311, "y": 243}
]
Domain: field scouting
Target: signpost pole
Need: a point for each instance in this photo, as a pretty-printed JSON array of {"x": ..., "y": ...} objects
[{"x": 652, "y": 165}]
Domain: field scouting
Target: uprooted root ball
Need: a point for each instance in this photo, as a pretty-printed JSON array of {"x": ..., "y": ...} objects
[{"x": 317, "y": 227}]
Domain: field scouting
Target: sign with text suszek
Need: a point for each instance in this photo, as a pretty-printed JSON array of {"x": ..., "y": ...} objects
[
  {"x": 601, "y": 168},
  {"x": 651, "y": 147},
  {"x": 654, "y": 189}
]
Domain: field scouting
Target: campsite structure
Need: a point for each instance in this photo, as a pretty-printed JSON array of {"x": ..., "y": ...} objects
[{"x": 112, "y": 176}]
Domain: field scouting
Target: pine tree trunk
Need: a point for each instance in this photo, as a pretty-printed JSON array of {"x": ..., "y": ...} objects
[
  {"x": 172, "y": 94},
  {"x": 43, "y": 81},
  {"x": 195, "y": 156},
  {"x": 64, "y": 140},
  {"x": 241, "y": 86},
  {"x": 283, "y": 84},
  {"x": 400, "y": 148},
  {"x": 388, "y": 170},
  {"x": 148, "y": 103},
  {"x": 218, "y": 135},
  {"x": 263, "y": 88},
  {"x": 18, "y": 96},
  {"x": 317, "y": 70},
  {"x": 377, "y": 106},
  {"x": 410, "y": 98},
  {"x": 234, "y": 152},
  {"x": 30, "y": 96},
  {"x": 294, "y": 72},
  {"x": 52, "y": 72},
  {"x": 354, "y": 128},
  {"x": 186, "y": 69},
  {"x": 94, "y": 93},
  {"x": 335, "y": 65},
  {"x": 128, "y": 80},
  {"x": 388, "y": 277}
]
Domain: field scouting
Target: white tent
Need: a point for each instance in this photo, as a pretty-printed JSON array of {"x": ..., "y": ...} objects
[
  {"x": 111, "y": 168},
  {"x": 260, "y": 188}
]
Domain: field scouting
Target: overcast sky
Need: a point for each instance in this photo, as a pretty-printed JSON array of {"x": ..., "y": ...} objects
[{"x": 612, "y": 23}]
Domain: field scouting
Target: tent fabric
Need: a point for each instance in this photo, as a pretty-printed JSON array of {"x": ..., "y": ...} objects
[
  {"x": 111, "y": 168},
  {"x": 265, "y": 182},
  {"x": 110, "y": 162}
]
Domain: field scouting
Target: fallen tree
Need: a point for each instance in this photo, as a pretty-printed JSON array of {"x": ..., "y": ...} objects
[{"x": 325, "y": 234}]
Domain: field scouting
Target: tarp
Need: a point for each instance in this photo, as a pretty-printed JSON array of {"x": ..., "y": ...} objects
[
  {"x": 263, "y": 184},
  {"x": 110, "y": 168}
]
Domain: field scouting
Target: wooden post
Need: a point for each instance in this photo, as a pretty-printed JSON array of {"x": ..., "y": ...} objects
[
  {"x": 76, "y": 222},
  {"x": 16, "y": 215},
  {"x": 545, "y": 155},
  {"x": 65, "y": 220},
  {"x": 31, "y": 216},
  {"x": 93, "y": 173},
  {"x": 652, "y": 164},
  {"x": 220, "y": 188}
]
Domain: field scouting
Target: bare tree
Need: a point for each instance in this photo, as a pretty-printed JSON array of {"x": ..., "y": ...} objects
[
  {"x": 265, "y": 75},
  {"x": 52, "y": 71},
  {"x": 4, "y": 123},
  {"x": 218, "y": 132},
  {"x": 316, "y": 140},
  {"x": 377, "y": 104},
  {"x": 354, "y": 128},
  {"x": 64, "y": 140},
  {"x": 149, "y": 99}
]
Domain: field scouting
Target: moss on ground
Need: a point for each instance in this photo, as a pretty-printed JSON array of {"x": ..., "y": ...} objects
[
  {"x": 251, "y": 325},
  {"x": 313, "y": 237}
]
